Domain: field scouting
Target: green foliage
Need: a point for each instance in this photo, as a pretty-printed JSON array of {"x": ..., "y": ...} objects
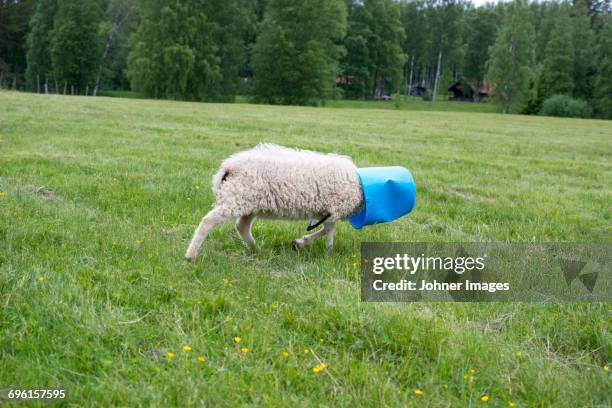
[
  {"x": 557, "y": 70},
  {"x": 374, "y": 48},
  {"x": 75, "y": 44},
  {"x": 584, "y": 49},
  {"x": 38, "y": 54},
  {"x": 602, "y": 99},
  {"x": 565, "y": 106},
  {"x": 398, "y": 100},
  {"x": 297, "y": 51},
  {"x": 14, "y": 20},
  {"x": 173, "y": 52},
  {"x": 481, "y": 30},
  {"x": 512, "y": 56}
]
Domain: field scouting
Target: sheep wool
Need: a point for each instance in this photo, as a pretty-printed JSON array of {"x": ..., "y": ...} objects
[
  {"x": 272, "y": 181},
  {"x": 278, "y": 182}
]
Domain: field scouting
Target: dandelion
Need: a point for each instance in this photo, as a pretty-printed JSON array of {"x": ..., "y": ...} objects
[
  {"x": 318, "y": 368},
  {"x": 484, "y": 398},
  {"x": 40, "y": 278},
  {"x": 237, "y": 339},
  {"x": 186, "y": 348},
  {"x": 472, "y": 371},
  {"x": 606, "y": 368},
  {"x": 200, "y": 359},
  {"x": 511, "y": 404},
  {"x": 355, "y": 264},
  {"x": 465, "y": 376},
  {"x": 306, "y": 351},
  {"x": 285, "y": 354},
  {"x": 445, "y": 386},
  {"x": 418, "y": 391},
  {"x": 518, "y": 354},
  {"x": 225, "y": 281},
  {"x": 244, "y": 350},
  {"x": 321, "y": 341},
  {"x": 170, "y": 355},
  {"x": 2, "y": 194}
]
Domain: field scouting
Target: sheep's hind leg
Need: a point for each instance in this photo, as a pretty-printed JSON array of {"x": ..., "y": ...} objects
[
  {"x": 329, "y": 229},
  {"x": 243, "y": 226},
  {"x": 215, "y": 217}
]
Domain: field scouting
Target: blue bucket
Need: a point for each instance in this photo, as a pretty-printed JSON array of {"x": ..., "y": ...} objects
[{"x": 388, "y": 193}]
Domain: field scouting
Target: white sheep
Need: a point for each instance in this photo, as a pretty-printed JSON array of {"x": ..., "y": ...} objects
[{"x": 272, "y": 181}]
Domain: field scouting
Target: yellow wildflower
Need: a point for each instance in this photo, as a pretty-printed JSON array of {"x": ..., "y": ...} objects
[
  {"x": 472, "y": 371},
  {"x": 318, "y": 368},
  {"x": 40, "y": 278},
  {"x": 244, "y": 350},
  {"x": 355, "y": 264},
  {"x": 306, "y": 351},
  {"x": 237, "y": 339},
  {"x": 418, "y": 391},
  {"x": 200, "y": 359},
  {"x": 321, "y": 341},
  {"x": 285, "y": 354},
  {"x": 170, "y": 354},
  {"x": 484, "y": 398},
  {"x": 606, "y": 368},
  {"x": 518, "y": 354},
  {"x": 511, "y": 404},
  {"x": 186, "y": 348},
  {"x": 2, "y": 194}
]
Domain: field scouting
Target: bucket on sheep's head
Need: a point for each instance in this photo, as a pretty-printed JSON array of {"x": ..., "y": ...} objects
[{"x": 388, "y": 193}]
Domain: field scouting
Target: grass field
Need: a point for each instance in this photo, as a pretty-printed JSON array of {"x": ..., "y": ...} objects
[{"x": 99, "y": 198}]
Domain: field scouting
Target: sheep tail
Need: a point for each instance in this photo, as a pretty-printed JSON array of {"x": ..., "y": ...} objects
[{"x": 220, "y": 177}]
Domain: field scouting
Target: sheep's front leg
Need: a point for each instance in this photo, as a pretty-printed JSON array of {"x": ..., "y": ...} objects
[
  {"x": 212, "y": 219},
  {"x": 329, "y": 229}
]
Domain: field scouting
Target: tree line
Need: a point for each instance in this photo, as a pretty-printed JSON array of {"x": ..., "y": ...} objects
[{"x": 308, "y": 51}]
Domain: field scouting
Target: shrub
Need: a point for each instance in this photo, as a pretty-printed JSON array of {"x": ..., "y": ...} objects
[
  {"x": 566, "y": 107},
  {"x": 398, "y": 100}
]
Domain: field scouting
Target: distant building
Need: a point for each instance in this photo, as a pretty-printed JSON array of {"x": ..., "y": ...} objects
[
  {"x": 467, "y": 89},
  {"x": 346, "y": 79},
  {"x": 418, "y": 90}
]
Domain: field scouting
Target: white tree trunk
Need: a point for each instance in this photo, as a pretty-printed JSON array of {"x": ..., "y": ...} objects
[
  {"x": 410, "y": 80},
  {"x": 437, "y": 79}
]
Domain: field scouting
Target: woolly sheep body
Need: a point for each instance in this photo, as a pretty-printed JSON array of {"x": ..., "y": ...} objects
[{"x": 277, "y": 182}]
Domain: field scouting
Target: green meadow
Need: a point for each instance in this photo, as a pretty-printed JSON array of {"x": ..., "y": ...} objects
[{"x": 99, "y": 198}]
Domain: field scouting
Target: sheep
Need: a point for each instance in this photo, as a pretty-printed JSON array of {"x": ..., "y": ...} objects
[{"x": 271, "y": 181}]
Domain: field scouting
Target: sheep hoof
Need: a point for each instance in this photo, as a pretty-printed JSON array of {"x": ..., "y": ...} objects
[
  {"x": 189, "y": 259},
  {"x": 297, "y": 244}
]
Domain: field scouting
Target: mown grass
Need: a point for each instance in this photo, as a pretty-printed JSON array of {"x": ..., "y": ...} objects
[
  {"x": 417, "y": 104},
  {"x": 100, "y": 197}
]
